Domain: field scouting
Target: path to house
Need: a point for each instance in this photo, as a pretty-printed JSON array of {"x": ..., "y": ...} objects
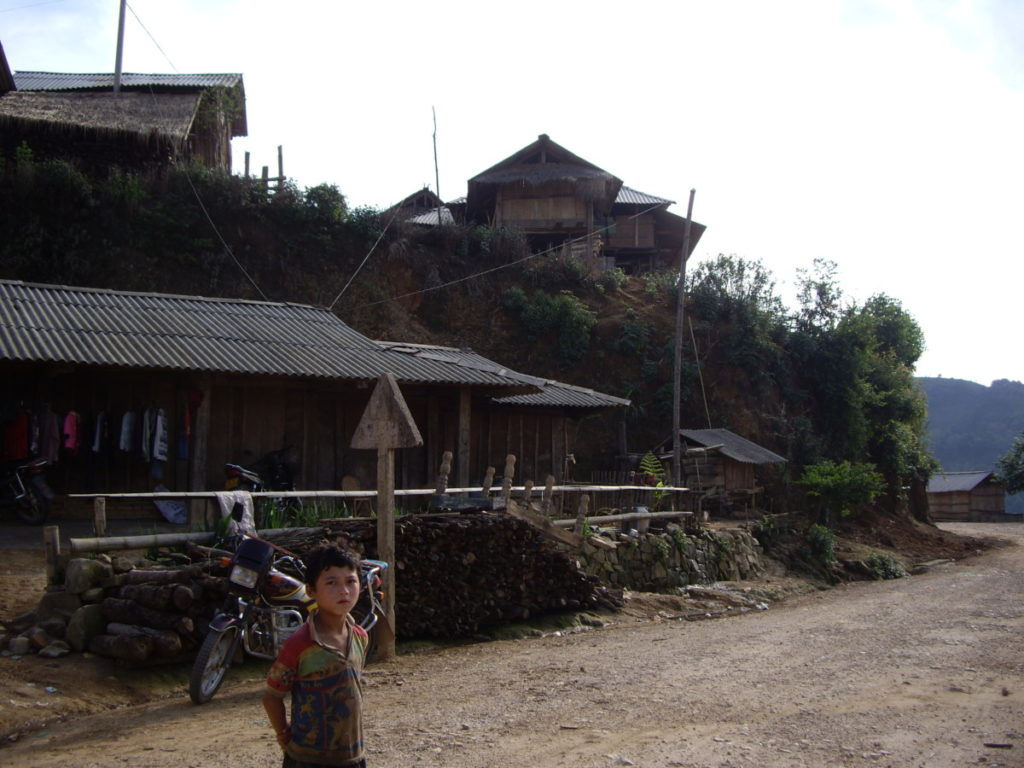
[{"x": 924, "y": 671}]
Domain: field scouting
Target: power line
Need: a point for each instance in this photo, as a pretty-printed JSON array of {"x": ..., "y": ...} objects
[
  {"x": 32, "y": 5},
  {"x": 188, "y": 177}
]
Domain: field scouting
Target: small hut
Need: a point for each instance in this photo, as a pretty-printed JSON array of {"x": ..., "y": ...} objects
[
  {"x": 968, "y": 497},
  {"x": 719, "y": 467}
]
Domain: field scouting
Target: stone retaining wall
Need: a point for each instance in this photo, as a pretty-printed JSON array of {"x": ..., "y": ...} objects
[{"x": 667, "y": 560}]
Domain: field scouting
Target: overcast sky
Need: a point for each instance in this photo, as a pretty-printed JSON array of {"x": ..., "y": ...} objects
[{"x": 884, "y": 135}]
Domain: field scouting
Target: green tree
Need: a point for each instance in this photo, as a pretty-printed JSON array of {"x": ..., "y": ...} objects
[
  {"x": 841, "y": 487},
  {"x": 1011, "y": 466}
]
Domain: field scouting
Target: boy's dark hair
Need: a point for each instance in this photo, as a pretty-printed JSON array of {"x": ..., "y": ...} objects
[{"x": 327, "y": 556}]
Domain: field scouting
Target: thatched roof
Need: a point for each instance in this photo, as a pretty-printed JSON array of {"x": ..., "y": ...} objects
[{"x": 141, "y": 116}]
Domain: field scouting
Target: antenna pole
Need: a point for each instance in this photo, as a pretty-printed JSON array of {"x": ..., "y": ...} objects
[
  {"x": 677, "y": 372},
  {"x": 120, "y": 48}
]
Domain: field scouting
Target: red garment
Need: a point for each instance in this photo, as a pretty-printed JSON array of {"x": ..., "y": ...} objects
[
  {"x": 16, "y": 436},
  {"x": 72, "y": 424}
]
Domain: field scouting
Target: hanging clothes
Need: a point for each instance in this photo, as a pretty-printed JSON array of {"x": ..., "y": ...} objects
[
  {"x": 72, "y": 432},
  {"x": 160, "y": 435},
  {"x": 49, "y": 436},
  {"x": 99, "y": 438},
  {"x": 16, "y": 437},
  {"x": 148, "y": 417},
  {"x": 127, "y": 431}
]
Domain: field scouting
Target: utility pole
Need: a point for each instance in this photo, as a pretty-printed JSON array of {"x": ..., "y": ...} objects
[
  {"x": 437, "y": 174},
  {"x": 677, "y": 372},
  {"x": 120, "y": 48}
]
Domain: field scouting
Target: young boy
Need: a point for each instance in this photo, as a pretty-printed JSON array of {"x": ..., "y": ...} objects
[{"x": 321, "y": 665}]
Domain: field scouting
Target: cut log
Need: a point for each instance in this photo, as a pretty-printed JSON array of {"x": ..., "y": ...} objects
[
  {"x": 125, "y": 647},
  {"x": 165, "y": 642},
  {"x": 164, "y": 575},
  {"x": 129, "y": 612}
]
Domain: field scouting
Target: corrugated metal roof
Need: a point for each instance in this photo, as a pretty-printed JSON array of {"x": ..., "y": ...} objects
[
  {"x": 629, "y": 196},
  {"x": 92, "y": 326},
  {"x": 554, "y": 394},
  {"x": 430, "y": 217},
  {"x": 957, "y": 481},
  {"x": 733, "y": 446},
  {"x": 72, "y": 81}
]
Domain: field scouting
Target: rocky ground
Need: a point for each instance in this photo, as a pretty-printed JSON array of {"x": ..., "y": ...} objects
[{"x": 923, "y": 671}]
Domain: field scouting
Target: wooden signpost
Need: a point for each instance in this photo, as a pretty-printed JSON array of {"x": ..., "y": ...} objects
[{"x": 386, "y": 425}]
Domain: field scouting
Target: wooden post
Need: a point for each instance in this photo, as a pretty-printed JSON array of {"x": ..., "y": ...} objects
[
  {"x": 280, "y": 168},
  {"x": 581, "y": 515},
  {"x": 677, "y": 370},
  {"x": 266, "y": 178},
  {"x": 99, "y": 517},
  {"x": 506, "y": 480},
  {"x": 488, "y": 482},
  {"x": 527, "y": 492},
  {"x": 247, "y": 164},
  {"x": 462, "y": 452},
  {"x": 549, "y": 492},
  {"x": 51, "y": 547},
  {"x": 198, "y": 508},
  {"x": 442, "y": 475},
  {"x": 386, "y": 424}
]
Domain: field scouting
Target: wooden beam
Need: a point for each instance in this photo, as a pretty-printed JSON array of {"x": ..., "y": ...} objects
[{"x": 462, "y": 450}]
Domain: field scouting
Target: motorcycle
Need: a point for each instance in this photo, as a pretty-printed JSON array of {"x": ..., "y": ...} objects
[
  {"x": 268, "y": 602},
  {"x": 270, "y": 512},
  {"x": 23, "y": 486}
]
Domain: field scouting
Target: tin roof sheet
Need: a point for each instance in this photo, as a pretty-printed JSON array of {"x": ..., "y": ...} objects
[
  {"x": 554, "y": 394},
  {"x": 957, "y": 481},
  {"x": 92, "y": 326},
  {"x": 735, "y": 447},
  {"x": 73, "y": 81},
  {"x": 628, "y": 196}
]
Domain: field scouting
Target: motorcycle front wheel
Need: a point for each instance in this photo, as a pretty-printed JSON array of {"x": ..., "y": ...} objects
[
  {"x": 34, "y": 508},
  {"x": 212, "y": 663}
]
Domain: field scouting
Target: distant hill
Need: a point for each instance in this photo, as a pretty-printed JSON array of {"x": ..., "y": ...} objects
[{"x": 972, "y": 425}]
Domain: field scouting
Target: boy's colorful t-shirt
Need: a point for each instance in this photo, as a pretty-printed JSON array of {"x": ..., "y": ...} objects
[{"x": 325, "y": 686}]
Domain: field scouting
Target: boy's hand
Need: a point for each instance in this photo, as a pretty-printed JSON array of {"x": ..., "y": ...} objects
[{"x": 284, "y": 736}]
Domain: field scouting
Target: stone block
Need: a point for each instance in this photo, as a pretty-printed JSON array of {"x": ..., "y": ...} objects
[
  {"x": 59, "y": 603},
  {"x": 85, "y": 624},
  {"x": 83, "y": 574}
]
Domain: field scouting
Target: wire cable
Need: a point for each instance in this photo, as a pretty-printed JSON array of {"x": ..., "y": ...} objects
[
  {"x": 502, "y": 266},
  {"x": 188, "y": 176}
]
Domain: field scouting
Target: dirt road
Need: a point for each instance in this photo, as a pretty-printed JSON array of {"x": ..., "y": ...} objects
[{"x": 924, "y": 671}]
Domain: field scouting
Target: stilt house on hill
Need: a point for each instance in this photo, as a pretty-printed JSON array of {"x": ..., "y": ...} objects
[
  {"x": 154, "y": 119},
  {"x": 569, "y": 205},
  {"x": 92, "y": 378},
  {"x": 967, "y": 497}
]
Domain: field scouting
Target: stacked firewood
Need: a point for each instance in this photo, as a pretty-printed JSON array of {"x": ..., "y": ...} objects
[
  {"x": 456, "y": 574},
  {"x": 159, "y": 613}
]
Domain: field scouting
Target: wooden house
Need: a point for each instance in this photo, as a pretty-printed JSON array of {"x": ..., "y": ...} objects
[
  {"x": 232, "y": 380},
  {"x": 153, "y": 121},
  {"x": 566, "y": 204},
  {"x": 421, "y": 207},
  {"x": 720, "y": 467},
  {"x": 967, "y": 497}
]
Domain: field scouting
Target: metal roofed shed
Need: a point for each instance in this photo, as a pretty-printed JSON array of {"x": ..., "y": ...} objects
[
  {"x": 233, "y": 380},
  {"x": 719, "y": 468},
  {"x": 977, "y": 496}
]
